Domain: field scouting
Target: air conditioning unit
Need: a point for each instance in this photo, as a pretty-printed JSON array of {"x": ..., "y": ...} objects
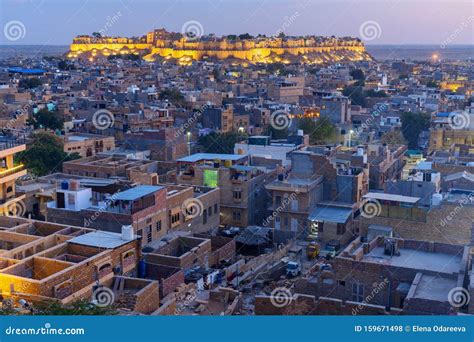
[{"x": 391, "y": 247}]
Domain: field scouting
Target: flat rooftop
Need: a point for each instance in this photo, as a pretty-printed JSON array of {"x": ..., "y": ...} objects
[
  {"x": 211, "y": 156},
  {"x": 330, "y": 214},
  {"x": 416, "y": 259},
  {"x": 391, "y": 197},
  {"x": 100, "y": 239},
  {"x": 434, "y": 288},
  {"x": 136, "y": 192}
]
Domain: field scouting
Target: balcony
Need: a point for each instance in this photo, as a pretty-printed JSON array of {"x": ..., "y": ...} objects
[
  {"x": 11, "y": 171},
  {"x": 6, "y": 143}
]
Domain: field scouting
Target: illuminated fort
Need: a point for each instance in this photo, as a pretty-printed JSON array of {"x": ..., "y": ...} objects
[{"x": 174, "y": 46}]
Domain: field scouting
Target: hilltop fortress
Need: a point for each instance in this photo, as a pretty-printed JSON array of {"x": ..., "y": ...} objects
[{"x": 174, "y": 46}]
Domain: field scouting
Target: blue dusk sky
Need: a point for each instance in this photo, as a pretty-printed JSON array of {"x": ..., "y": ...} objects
[{"x": 56, "y": 22}]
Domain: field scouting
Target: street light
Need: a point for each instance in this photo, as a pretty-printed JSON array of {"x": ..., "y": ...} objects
[
  {"x": 350, "y": 137},
  {"x": 189, "y": 143}
]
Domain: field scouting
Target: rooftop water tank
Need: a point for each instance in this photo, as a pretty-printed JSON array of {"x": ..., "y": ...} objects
[
  {"x": 64, "y": 185},
  {"x": 127, "y": 233},
  {"x": 436, "y": 199}
]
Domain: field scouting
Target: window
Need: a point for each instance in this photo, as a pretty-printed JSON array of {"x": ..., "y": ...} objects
[
  {"x": 215, "y": 208},
  {"x": 236, "y": 216},
  {"x": 175, "y": 218},
  {"x": 357, "y": 292},
  {"x": 341, "y": 283},
  {"x": 237, "y": 194},
  {"x": 204, "y": 216},
  {"x": 148, "y": 234},
  {"x": 140, "y": 233},
  {"x": 341, "y": 228},
  {"x": 158, "y": 226},
  {"x": 285, "y": 221},
  {"x": 209, "y": 210},
  {"x": 277, "y": 200}
]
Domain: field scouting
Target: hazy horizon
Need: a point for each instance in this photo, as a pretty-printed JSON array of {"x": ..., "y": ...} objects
[{"x": 383, "y": 22}]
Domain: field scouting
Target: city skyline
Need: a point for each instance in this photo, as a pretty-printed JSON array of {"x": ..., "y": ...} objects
[{"x": 302, "y": 17}]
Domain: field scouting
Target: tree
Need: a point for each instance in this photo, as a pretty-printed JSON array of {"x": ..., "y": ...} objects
[
  {"x": 47, "y": 120},
  {"x": 276, "y": 133},
  {"x": 30, "y": 83},
  {"x": 78, "y": 308},
  {"x": 245, "y": 36},
  {"x": 412, "y": 125},
  {"x": 220, "y": 142},
  {"x": 356, "y": 94},
  {"x": 393, "y": 138},
  {"x": 45, "y": 154},
  {"x": 65, "y": 65},
  {"x": 358, "y": 74},
  {"x": 375, "y": 93},
  {"x": 320, "y": 132},
  {"x": 277, "y": 68},
  {"x": 173, "y": 95}
]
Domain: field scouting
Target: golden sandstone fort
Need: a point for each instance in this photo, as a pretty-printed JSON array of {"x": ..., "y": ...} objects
[{"x": 161, "y": 44}]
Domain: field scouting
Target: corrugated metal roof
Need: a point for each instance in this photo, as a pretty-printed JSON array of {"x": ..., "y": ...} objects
[
  {"x": 330, "y": 214},
  {"x": 136, "y": 192},
  {"x": 211, "y": 156},
  {"x": 391, "y": 197},
  {"x": 100, "y": 239}
]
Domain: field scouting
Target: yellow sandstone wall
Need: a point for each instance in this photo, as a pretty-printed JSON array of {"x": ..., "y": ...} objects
[{"x": 245, "y": 50}]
